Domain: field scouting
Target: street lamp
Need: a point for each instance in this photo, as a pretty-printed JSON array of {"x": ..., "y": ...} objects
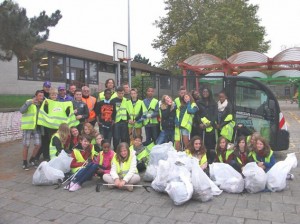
[{"x": 128, "y": 54}]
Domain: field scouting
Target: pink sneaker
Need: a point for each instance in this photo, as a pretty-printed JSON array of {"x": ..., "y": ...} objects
[{"x": 75, "y": 187}]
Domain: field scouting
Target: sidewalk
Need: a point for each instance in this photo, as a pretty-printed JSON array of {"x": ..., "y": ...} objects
[{"x": 21, "y": 202}]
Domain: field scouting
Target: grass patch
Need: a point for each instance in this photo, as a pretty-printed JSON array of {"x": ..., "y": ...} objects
[{"x": 13, "y": 101}]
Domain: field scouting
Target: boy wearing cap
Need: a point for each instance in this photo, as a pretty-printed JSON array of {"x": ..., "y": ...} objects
[
  {"x": 46, "y": 89},
  {"x": 62, "y": 94}
]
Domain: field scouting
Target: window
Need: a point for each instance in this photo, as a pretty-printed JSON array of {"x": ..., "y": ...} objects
[
  {"x": 165, "y": 82},
  {"x": 41, "y": 68},
  {"x": 25, "y": 69},
  {"x": 57, "y": 65}
]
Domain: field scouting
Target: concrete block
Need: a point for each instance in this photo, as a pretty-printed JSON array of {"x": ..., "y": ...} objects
[
  {"x": 136, "y": 208},
  {"x": 196, "y": 206},
  {"x": 57, "y": 204},
  {"x": 205, "y": 218},
  {"x": 261, "y": 206},
  {"x": 25, "y": 220},
  {"x": 16, "y": 206},
  {"x": 70, "y": 218},
  {"x": 245, "y": 213},
  {"x": 255, "y": 221},
  {"x": 158, "y": 211},
  {"x": 94, "y": 211},
  {"x": 50, "y": 214},
  {"x": 179, "y": 215},
  {"x": 136, "y": 219},
  {"x": 116, "y": 204},
  {"x": 292, "y": 218},
  {"x": 32, "y": 210},
  {"x": 220, "y": 210},
  {"x": 271, "y": 216},
  {"x": 157, "y": 220},
  {"x": 230, "y": 220},
  {"x": 280, "y": 207},
  {"x": 115, "y": 215}
]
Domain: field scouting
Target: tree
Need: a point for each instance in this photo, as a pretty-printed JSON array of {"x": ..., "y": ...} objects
[
  {"x": 142, "y": 83},
  {"x": 140, "y": 59},
  {"x": 218, "y": 27},
  {"x": 19, "y": 34}
]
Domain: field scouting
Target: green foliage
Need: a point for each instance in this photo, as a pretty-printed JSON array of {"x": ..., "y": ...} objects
[
  {"x": 218, "y": 27},
  {"x": 13, "y": 101},
  {"x": 141, "y": 83},
  {"x": 19, "y": 34},
  {"x": 140, "y": 59}
]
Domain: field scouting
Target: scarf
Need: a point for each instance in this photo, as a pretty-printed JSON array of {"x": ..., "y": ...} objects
[{"x": 222, "y": 106}]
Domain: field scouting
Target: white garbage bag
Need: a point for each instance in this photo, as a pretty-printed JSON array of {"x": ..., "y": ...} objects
[
  {"x": 46, "y": 175},
  {"x": 200, "y": 182},
  {"x": 255, "y": 178},
  {"x": 160, "y": 182},
  {"x": 62, "y": 162},
  {"x": 226, "y": 177},
  {"x": 158, "y": 152},
  {"x": 276, "y": 176}
]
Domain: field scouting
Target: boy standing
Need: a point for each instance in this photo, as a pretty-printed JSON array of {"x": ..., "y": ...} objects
[{"x": 30, "y": 111}]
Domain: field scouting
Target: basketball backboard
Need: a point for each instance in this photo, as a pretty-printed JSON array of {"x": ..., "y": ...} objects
[{"x": 120, "y": 52}]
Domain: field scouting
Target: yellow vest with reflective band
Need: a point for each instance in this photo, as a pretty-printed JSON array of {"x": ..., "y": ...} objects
[
  {"x": 94, "y": 153},
  {"x": 186, "y": 122},
  {"x": 121, "y": 112},
  {"x": 57, "y": 114},
  {"x": 267, "y": 159},
  {"x": 28, "y": 120},
  {"x": 227, "y": 130},
  {"x": 151, "y": 108},
  {"x": 122, "y": 171},
  {"x": 79, "y": 158},
  {"x": 52, "y": 148},
  {"x": 145, "y": 153},
  {"x": 203, "y": 158},
  {"x": 228, "y": 153},
  {"x": 133, "y": 111},
  {"x": 207, "y": 122},
  {"x": 177, "y": 102},
  {"x": 102, "y": 97}
]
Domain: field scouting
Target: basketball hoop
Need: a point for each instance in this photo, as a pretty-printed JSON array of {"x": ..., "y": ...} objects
[{"x": 124, "y": 59}]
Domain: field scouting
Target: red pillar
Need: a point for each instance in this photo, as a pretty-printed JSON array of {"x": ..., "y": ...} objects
[{"x": 184, "y": 78}]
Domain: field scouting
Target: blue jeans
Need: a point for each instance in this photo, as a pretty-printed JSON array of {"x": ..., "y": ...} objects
[
  {"x": 106, "y": 132},
  {"x": 165, "y": 136},
  {"x": 120, "y": 134},
  {"x": 85, "y": 173},
  {"x": 151, "y": 134}
]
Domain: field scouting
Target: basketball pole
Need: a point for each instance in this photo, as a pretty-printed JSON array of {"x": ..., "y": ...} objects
[{"x": 129, "y": 56}]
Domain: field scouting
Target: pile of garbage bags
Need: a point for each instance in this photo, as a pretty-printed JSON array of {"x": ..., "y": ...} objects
[
  {"x": 49, "y": 173},
  {"x": 181, "y": 177}
]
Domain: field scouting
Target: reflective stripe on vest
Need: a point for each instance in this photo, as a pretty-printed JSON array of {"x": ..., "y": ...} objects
[
  {"x": 228, "y": 153},
  {"x": 145, "y": 153},
  {"x": 125, "y": 167},
  {"x": 133, "y": 111},
  {"x": 79, "y": 158},
  {"x": 102, "y": 97},
  {"x": 28, "y": 120},
  {"x": 187, "y": 119},
  {"x": 207, "y": 122},
  {"x": 52, "y": 148},
  {"x": 150, "y": 110},
  {"x": 90, "y": 102},
  {"x": 57, "y": 114},
  {"x": 267, "y": 159},
  {"x": 227, "y": 130},
  {"x": 203, "y": 157},
  {"x": 121, "y": 112}
]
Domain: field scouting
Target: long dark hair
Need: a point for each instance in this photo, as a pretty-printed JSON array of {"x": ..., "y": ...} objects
[
  {"x": 218, "y": 151},
  {"x": 191, "y": 147},
  {"x": 210, "y": 98},
  {"x": 237, "y": 148}
]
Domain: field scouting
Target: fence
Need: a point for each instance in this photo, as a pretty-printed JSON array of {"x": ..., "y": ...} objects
[{"x": 10, "y": 124}]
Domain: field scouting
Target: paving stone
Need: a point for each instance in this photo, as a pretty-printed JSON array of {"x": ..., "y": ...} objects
[
  {"x": 50, "y": 214},
  {"x": 40, "y": 201},
  {"x": 5, "y": 201},
  {"x": 261, "y": 206},
  {"x": 255, "y": 221},
  {"x": 99, "y": 201},
  {"x": 94, "y": 211},
  {"x": 157, "y": 220},
  {"x": 25, "y": 220},
  {"x": 220, "y": 210},
  {"x": 16, "y": 206},
  {"x": 292, "y": 218},
  {"x": 271, "y": 216},
  {"x": 195, "y": 206},
  {"x": 32, "y": 210},
  {"x": 230, "y": 202},
  {"x": 115, "y": 215},
  {"x": 181, "y": 215},
  {"x": 79, "y": 198},
  {"x": 8, "y": 216},
  {"x": 294, "y": 193},
  {"x": 298, "y": 208},
  {"x": 92, "y": 220},
  {"x": 116, "y": 204},
  {"x": 75, "y": 208},
  {"x": 219, "y": 200},
  {"x": 70, "y": 218},
  {"x": 230, "y": 220},
  {"x": 57, "y": 204},
  {"x": 156, "y": 201},
  {"x": 136, "y": 208},
  {"x": 135, "y": 198},
  {"x": 280, "y": 207},
  {"x": 158, "y": 211},
  {"x": 112, "y": 222},
  {"x": 3, "y": 190},
  {"x": 136, "y": 219},
  {"x": 241, "y": 203},
  {"x": 272, "y": 197},
  {"x": 248, "y": 196},
  {"x": 291, "y": 200},
  {"x": 205, "y": 218},
  {"x": 245, "y": 213},
  {"x": 7, "y": 184}
]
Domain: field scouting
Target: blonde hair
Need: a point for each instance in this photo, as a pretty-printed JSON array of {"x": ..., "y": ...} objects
[
  {"x": 164, "y": 105},
  {"x": 64, "y": 132},
  {"x": 53, "y": 90}
]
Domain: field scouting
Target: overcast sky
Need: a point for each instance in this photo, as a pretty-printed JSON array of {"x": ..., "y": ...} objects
[{"x": 96, "y": 24}]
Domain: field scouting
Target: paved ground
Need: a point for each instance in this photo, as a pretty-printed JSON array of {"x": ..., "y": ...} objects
[{"x": 21, "y": 202}]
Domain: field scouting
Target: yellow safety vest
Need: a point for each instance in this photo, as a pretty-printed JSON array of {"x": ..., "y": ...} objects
[
  {"x": 227, "y": 130},
  {"x": 28, "y": 120},
  {"x": 150, "y": 109},
  {"x": 79, "y": 158},
  {"x": 228, "y": 153},
  {"x": 145, "y": 153},
  {"x": 122, "y": 171},
  {"x": 133, "y": 111},
  {"x": 52, "y": 148},
  {"x": 102, "y": 97},
  {"x": 57, "y": 114},
  {"x": 203, "y": 158},
  {"x": 177, "y": 102},
  {"x": 121, "y": 112},
  {"x": 186, "y": 122},
  {"x": 267, "y": 159},
  {"x": 207, "y": 122}
]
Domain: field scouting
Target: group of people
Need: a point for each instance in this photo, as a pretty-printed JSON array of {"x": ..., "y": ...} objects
[{"x": 197, "y": 124}]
